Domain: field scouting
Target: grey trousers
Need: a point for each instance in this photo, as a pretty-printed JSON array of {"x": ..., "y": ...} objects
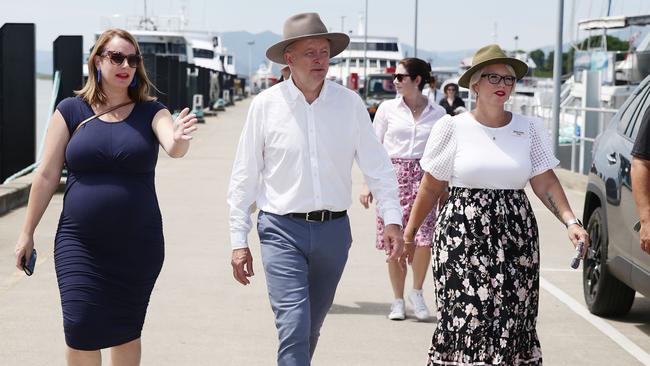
[{"x": 303, "y": 263}]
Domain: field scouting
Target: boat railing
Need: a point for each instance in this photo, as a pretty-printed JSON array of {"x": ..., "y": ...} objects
[{"x": 55, "y": 92}]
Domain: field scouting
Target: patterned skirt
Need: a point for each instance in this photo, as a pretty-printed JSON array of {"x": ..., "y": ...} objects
[
  {"x": 409, "y": 174},
  {"x": 486, "y": 273}
]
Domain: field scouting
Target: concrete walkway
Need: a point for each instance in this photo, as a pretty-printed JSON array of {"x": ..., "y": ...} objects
[{"x": 200, "y": 316}]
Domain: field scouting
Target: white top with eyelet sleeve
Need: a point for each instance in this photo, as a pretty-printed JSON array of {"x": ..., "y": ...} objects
[{"x": 467, "y": 154}]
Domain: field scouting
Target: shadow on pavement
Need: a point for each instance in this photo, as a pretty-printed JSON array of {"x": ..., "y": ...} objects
[{"x": 371, "y": 308}]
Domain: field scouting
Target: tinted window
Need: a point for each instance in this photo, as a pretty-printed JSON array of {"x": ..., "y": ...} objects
[
  {"x": 644, "y": 105},
  {"x": 201, "y": 53},
  {"x": 624, "y": 124}
]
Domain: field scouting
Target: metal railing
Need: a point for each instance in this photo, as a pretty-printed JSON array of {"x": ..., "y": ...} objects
[
  {"x": 39, "y": 156},
  {"x": 579, "y": 121}
]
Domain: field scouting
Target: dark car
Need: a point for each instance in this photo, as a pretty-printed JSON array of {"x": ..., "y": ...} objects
[
  {"x": 615, "y": 266},
  {"x": 378, "y": 87}
]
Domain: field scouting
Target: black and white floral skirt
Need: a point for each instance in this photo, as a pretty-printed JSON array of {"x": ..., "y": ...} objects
[{"x": 486, "y": 272}]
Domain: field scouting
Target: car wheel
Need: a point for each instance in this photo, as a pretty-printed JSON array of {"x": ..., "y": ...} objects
[{"x": 604, "y": 294}]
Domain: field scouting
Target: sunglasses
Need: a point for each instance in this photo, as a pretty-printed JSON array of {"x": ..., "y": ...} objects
[
  {"x": 117, "y": 58},
  {"x": 401, "y": 77},
  {"x": 495, "y": 79}
]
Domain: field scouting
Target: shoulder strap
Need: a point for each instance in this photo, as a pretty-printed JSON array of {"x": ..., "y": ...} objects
[{"x": 100, "y": 114}]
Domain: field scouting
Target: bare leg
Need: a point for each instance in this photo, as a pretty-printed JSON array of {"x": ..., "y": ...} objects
[
  {"x": 421, "y": 260},
  {"x": 397, "y": 276},
  {"x": 127, "y": 354},
  {"x": 76, "y": 357}
]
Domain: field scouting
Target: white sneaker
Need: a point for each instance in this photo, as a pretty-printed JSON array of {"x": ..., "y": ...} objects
[
  {"x": 397, "y": 310},
  {"x": 419, "y": 307}
]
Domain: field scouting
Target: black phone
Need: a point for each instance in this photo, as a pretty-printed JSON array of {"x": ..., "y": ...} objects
[{"x": 29, "y": 267}]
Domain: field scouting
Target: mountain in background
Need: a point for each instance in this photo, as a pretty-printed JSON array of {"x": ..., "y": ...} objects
[{"x": 237, "y": 43}]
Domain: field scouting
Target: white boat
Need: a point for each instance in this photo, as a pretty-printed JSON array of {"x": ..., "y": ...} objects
[{"x": 382, "y": 53}]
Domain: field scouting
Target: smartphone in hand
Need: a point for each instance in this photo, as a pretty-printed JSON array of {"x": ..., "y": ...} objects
[{"x": 29, "y": 267}]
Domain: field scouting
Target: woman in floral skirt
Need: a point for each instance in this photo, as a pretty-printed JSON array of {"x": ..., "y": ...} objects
[
  {"x": 485, "y": 245},
  {"x": 403, "y": 126}
]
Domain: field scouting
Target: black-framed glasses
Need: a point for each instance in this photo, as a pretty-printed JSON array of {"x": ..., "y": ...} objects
[
  {"x": 401, "y": 77},
  {"x": 117, "y": 58},
  {"x": 495, "y": 79}
]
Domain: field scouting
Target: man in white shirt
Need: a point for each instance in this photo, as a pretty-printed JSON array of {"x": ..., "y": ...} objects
[{"x": 294, "y": 162}]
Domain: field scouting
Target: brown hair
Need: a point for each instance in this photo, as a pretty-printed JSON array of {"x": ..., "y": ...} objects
[
  {"x": 417, "y": 67},
  {"x": 92, "y": 92}
]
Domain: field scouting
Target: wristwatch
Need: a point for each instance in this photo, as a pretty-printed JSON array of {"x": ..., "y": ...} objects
[{"x": 574, "y": 221}]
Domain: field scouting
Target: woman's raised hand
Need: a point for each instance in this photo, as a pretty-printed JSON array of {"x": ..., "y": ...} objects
[{"x": 184, "y": 125}]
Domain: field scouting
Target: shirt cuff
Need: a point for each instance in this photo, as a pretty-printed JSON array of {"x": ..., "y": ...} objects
[
  {"x": 238, "y": 240},
  {"x": 392, "y": 216}
]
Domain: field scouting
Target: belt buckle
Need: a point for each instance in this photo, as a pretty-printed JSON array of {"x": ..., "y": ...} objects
[{"x": 322, "y": 217}]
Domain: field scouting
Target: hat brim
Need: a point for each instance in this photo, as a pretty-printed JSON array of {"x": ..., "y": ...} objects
[
  {"x": 338, "y": 43},
  {"x": 520, "y": 67}
]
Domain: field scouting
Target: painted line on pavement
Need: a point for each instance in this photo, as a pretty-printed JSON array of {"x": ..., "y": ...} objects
[
  {"x": 611, "y": 332},
  {"x": 559, "y": 270}
]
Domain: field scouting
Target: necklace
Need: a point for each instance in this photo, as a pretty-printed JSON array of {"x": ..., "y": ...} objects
[{"x": 415, "y": 108}]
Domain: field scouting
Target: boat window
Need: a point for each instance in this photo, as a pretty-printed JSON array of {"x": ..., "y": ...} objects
[
  {"x": 202, "y": 53},
  {"x": 382, "y": 64},
  {"x": 152, "y": 48},
  {"x": 625, "y": 123},
  {"x": 177, "y": 49}
]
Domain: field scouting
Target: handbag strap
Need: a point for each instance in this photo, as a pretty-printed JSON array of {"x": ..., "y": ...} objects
[{"x": 100, "y": 114}]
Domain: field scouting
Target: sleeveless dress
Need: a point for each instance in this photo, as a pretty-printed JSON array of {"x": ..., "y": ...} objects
[{"x": 109, "y": 245}]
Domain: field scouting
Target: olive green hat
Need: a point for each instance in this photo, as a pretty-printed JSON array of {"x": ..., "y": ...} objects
[{"x": 490, "y": 55}]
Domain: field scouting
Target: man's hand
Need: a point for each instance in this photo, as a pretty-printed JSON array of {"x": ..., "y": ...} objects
[
  {"x": 242, "y": 265},
  {"x": 394, "y": 242}
]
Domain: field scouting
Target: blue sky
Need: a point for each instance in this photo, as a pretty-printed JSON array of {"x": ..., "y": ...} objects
[{"x": 443, "y": 25}]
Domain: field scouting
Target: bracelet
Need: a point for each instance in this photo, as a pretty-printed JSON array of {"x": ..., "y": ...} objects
[{"x": 409, "y": 242}]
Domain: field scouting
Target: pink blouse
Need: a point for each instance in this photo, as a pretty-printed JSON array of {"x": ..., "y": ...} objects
[{"x": 401, "y": 135}]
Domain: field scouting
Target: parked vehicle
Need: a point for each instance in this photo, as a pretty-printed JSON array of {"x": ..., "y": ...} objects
[
  {"x": 378, "y": 87},
  {"x": 615, "y": 267}
]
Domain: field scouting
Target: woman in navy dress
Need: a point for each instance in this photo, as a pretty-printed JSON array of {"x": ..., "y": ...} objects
[{"x": 109, "y": 246}]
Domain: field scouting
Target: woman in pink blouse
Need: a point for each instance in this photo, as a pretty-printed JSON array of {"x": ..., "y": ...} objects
[{"x": 403, "y": 126}]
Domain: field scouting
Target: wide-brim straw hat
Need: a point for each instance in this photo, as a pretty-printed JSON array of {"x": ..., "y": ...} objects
[
  {"x": 303, "y": 26},
  {"x": 491, "y": 55}
]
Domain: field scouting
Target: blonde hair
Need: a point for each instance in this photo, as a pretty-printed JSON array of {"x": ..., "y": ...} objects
[
  {"x": 476, "y": 77},
  {"x": 92, "y": 91}
]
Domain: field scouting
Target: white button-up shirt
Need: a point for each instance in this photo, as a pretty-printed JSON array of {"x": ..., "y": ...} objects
[
  {"x": 297, "y": 157},
  {"x": 401, "y": 135}
]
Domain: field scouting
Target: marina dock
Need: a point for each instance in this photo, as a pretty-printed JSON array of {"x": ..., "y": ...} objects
[{"x": 199, "y": 315}]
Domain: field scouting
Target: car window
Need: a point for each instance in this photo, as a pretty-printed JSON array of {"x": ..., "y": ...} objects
[
  {"x": 636, "y": 123},
  {"x": 626, "y": 123}
]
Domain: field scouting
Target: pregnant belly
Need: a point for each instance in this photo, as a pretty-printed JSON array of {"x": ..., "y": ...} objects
[{"x": 108, "y": 203}]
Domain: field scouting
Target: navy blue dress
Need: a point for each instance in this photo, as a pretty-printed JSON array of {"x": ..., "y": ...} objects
[{"x": 109, "y": 246}]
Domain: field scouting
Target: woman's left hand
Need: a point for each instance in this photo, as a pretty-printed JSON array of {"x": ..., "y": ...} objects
[
  {"x": 578, "y": 234},
  {"x": 184, "y": 125}
]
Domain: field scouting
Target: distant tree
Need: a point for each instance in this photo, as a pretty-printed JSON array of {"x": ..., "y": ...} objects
[
  {"x": 567, "y": 61},
  {"x": 538, "y": 57},
  {"x": 613, "y": 43}
]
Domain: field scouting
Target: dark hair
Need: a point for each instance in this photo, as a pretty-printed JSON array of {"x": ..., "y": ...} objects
[{"x": 417, "y": 67}]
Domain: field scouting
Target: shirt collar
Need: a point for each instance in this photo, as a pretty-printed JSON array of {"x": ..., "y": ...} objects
[
  {"x": 402, "y": 104},
  {"x": 294, "y": 92}
]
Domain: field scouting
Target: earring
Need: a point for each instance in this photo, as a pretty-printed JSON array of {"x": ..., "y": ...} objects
[
  {"x": 99, "y": 76},
  {"x": 134, "y": 82}
]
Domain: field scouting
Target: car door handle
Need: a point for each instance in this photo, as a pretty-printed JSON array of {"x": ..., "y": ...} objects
[{"x": 611, "y": 158}]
